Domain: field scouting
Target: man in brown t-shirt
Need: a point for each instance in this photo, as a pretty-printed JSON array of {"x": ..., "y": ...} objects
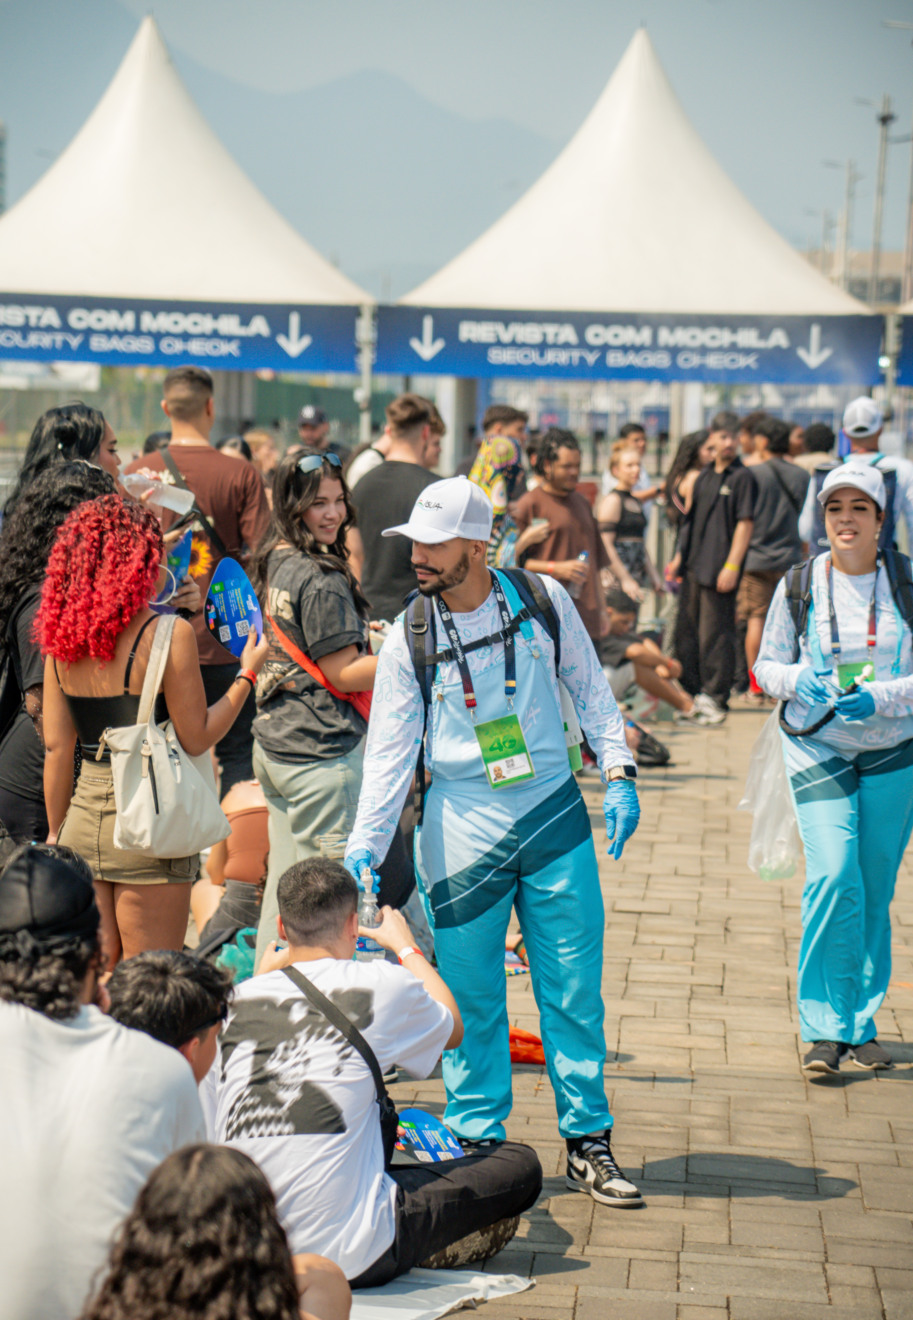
[
  {"x": 572, "y": 529},
  {"x": 232, "y": 496}
]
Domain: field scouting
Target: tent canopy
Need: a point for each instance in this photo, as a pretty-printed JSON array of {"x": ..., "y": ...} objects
[
  {"x": 635, "y": 215},
  {"x": 147, "y": 203}
]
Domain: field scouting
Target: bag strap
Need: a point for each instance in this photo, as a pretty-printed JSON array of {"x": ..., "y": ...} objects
[
  {"x": 305, "y": 662},
  {"x": 900, "y": 576},
  {"x": 155, "y": 667},
  {"x": 342, "y": 1024},
  {"x": 798, "y": 597},
  {"x": 533, "y": 594},
  {"x": 796, "y": 506},
  {"x": 217, "y": 543}
]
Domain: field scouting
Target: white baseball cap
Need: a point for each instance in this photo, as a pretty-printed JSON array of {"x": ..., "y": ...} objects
[
  {"x": 862, "y": 417},
  {"x": 445, "y": 510},
  {"x": 861, "y": 476}
]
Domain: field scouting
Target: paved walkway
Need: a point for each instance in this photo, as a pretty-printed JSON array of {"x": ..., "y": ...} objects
[{"x": 769, "y": 1197}]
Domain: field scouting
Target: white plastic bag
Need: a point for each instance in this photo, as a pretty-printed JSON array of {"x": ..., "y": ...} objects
[{"x": 774, "y": 848}]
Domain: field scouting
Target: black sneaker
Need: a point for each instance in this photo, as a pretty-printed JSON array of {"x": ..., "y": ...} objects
[
  {"x": 824, "y": 1057},
  {"x": 591, "y": 1168},
  {"x": 479, "y": 1147},
  {"x": 391, "y": 1075},
  {"x": 481, "y": 1245},
  {"x": 871, "y": 1055}
]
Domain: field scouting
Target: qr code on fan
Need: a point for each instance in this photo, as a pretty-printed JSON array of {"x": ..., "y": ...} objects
[
  {"x": 242, "y": 627},
  {"x": 224, "y": 634}
]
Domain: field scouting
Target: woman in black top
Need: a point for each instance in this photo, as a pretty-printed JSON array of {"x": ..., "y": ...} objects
[
  {"x": 309, "y": 743},
  {"x": 623, "y": 525},
  {"x": 63, "y": 435},
  {"x": 28, "y": 535}
]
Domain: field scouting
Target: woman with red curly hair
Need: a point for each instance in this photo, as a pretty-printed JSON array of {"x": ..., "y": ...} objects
[{"x": 95, "y": 628}]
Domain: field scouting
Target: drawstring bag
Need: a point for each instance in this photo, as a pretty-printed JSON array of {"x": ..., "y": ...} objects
[
  {"x": 166, "y": 800},
  {"x": 774, "y": 849}
]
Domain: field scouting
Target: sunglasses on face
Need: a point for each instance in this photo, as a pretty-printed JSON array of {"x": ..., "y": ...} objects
[{"x": 311, "y": 462}]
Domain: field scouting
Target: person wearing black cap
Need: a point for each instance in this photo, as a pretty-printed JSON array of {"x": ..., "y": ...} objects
[
  {"x": 313, "y": 426},
  {"x": 88, "y": 1108}
]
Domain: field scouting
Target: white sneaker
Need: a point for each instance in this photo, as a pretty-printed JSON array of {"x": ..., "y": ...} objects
[
  {"x": 693, "y": 716},
  {"x": 709, "y": 709}
]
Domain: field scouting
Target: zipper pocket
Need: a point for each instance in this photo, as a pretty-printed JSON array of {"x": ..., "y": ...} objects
[{"x": 155, "y": 795}]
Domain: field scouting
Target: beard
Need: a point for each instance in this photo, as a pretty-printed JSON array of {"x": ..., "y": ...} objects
[{"x": 444, "y": 580}]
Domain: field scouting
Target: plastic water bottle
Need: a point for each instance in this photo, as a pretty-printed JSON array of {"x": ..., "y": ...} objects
[
  {"x": 574, "y": 588},
  {"x": 366, "y": 949},
  {"x": 163, "y": 495}
]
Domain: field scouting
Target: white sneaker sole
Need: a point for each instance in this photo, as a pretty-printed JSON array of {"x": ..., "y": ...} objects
[{"x": 621, "y": 1203}]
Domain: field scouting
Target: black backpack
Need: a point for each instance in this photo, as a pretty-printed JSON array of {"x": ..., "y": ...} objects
[
  {"x": 799, "y": 590},
  {"x": 420, "y": 638},
  {"x": 818, "y": 543}
]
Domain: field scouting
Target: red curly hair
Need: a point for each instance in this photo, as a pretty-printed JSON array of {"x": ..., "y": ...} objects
[{"x": 101, "y": 573}]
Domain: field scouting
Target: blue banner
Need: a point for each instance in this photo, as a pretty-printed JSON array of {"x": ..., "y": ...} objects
[
  {"x": 123, "y": 332},
  {"x": 905, "y": 353},
  {"x": 829, "y": 350}
]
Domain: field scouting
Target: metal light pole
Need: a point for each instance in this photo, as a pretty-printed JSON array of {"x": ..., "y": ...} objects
[
  {"x": 885, "y": 118},
  {"x": 906, "y": 287},
  {"x": 841, "y": 273}
]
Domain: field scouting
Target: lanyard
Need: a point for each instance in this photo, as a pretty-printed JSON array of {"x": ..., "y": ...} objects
[
  {"x": 510, "y": 654},
  {"x": 835, "y": 632}
]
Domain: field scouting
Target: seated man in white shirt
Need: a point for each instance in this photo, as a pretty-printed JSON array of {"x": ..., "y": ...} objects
[
  {"x": 291, "y": 1092},
  {"x": 88, "y": 1108}
]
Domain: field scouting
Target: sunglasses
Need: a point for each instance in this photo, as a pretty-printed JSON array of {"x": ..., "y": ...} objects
[{"x": 311, "y": 462}]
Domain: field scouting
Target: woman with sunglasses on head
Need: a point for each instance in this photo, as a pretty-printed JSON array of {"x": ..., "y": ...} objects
[
  {"x": 308, "y": 743},
  {"x": 846, "y": 674},
  {"x": 96, "y": 627}
]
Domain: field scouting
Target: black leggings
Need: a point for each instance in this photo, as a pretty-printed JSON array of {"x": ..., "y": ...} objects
[{"x": 437, "y": 1206}]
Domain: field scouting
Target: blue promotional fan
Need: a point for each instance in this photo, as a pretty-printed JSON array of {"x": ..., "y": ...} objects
[
  {"x": 231, "y": 608},
  {"x": 177, "y": 559},
  {"x": 426, "y": 1138}
]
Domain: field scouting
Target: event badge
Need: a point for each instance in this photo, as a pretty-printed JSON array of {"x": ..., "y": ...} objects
[
  {"x": 863, "y": 672},
  {"x": 504, "y": 751},
  {"x": 231, "y": 608},
  {"x": 426, "y": 1138}
]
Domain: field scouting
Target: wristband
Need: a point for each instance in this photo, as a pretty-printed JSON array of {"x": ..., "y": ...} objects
[
  {"x": 248, "y": 675},
  {"x": 733, "y": 568},
  {"x": 409, "y": 949}
]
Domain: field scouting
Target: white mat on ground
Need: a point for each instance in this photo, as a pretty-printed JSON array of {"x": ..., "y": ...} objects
[{"x": 426, "y": 1294}]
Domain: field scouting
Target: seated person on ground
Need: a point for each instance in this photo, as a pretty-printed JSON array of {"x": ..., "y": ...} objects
[
  {"x": 292, "y": 1093},
  {"x": 87, "y": 1108},
  {"x": 177, "y": 999},
  {"x": 629, "y": 657},
  {"x": 204, "y": 1240}
]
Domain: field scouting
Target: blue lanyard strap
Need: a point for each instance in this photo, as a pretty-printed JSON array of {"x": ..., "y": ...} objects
[
  {"x": 459, "y": 655},
  {"x": 835, "y": 631}
]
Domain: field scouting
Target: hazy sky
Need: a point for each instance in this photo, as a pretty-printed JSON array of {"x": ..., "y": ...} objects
[
  {"x": 759, "y": 78},
  {"x": 771, "y": 85}
]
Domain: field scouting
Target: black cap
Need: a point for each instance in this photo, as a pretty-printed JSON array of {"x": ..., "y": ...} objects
[
  {"x": 44, "y": 901},
  {"x": 311, "y": 415}
]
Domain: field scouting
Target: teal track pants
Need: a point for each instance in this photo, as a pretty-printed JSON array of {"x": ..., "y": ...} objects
[
  {"x": 551, "y": 878},
  {"x": 855, "y": 817}
]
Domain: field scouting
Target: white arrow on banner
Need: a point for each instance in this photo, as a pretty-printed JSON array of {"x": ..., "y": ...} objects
[
  {"x": 814, "y": 355},
  {"x": 294, "y": 342},
  {"x": 427, "y": 347}
]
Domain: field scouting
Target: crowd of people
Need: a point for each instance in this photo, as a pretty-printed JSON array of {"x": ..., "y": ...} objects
[{"x": 208, "y": 1132}]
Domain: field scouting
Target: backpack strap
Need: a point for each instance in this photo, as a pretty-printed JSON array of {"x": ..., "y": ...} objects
[
  {"x": 214, "y": 538},
  {"x": 799, "y": 597},
  {"x": 537, "y": 600},
  {"x": 420, "y": 638},
  {"x": 900, "y": 576}
]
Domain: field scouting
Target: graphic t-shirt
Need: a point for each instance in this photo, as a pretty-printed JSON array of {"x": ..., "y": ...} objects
[
  {"x": 385, "y": 498},
  {"x": 297, "y": 718},
  {"x": 290, "y": 1091},
  {"x": 232, "y": 495},
  {"x": 573, "y": 530},
  {"x": 88, "y": 1109},
  {"x": 21, "y": 752}
]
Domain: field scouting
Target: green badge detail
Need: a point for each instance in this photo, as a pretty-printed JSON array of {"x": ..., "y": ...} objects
[
  {"x": 504, "y": 751},
  {"x": 846, "y": 673}
]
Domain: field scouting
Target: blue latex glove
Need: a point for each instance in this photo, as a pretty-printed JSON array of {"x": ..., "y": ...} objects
[
  {"x": 354, "y": 864},
  {"x": 812, "y": 689},
  {"x": 622, "y": 814},
  {"x": 856, "y": 705}
]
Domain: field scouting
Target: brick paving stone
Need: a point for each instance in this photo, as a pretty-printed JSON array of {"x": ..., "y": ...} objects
[{"x": 769, "y": 1196}]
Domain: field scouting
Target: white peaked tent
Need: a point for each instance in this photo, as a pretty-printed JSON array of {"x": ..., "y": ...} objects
[
  {"x": 147, "y": 203},
  {"x": 635, "y": 215}
]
